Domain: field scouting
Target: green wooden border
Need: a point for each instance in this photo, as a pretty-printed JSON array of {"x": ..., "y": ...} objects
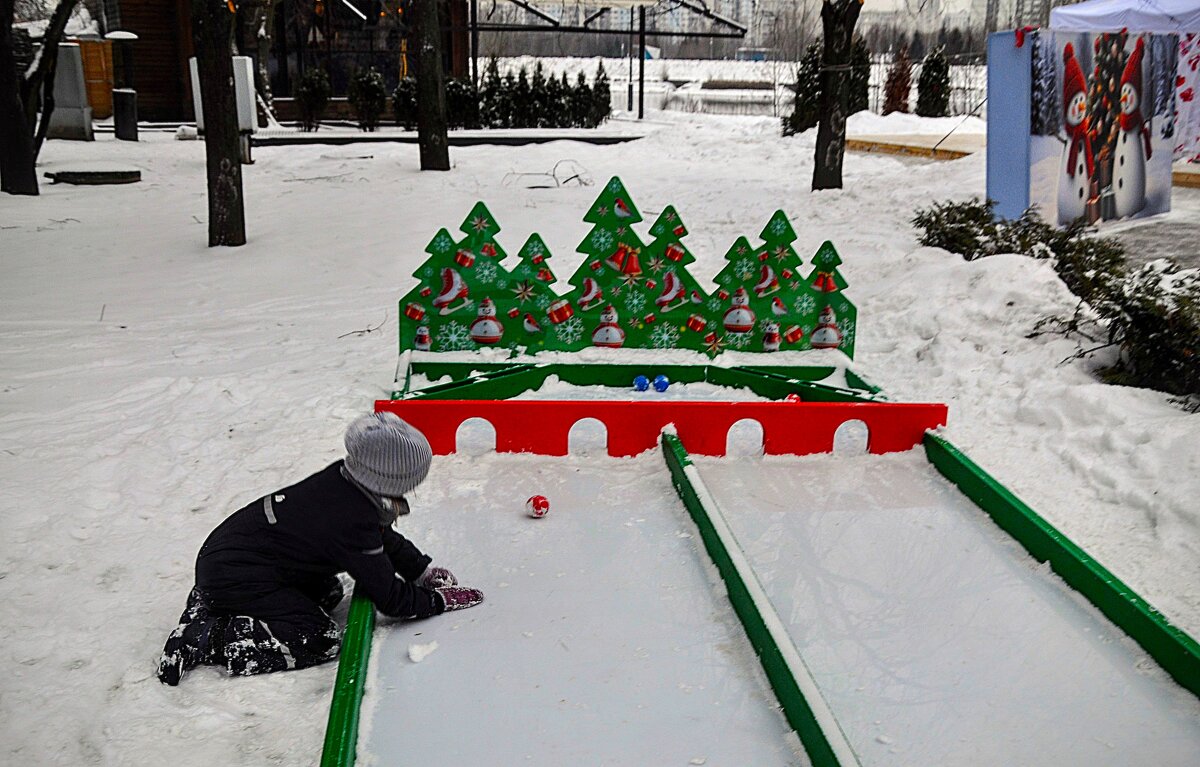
[
  {"x": 796, "y": 708},
  {"x": 1174, "y": 650},
  {"x": 341, "y": 733},
  {"x": 511, "y": 380}
]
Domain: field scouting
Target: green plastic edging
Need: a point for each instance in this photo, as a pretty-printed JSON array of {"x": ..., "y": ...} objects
[
  {"x": 341, "y": 734},
  {"x": 1172, "y": 648},
  {"x": 796, "y": 708}
]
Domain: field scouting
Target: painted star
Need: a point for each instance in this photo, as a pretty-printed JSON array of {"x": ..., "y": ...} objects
[
  {"x": 524, "y": 291},
  {"x": 602, "y": 210},
  {"x": 781, "y": 253},
  {"x": 656, "y": 264},
  {"x": 716, "y": 345},
  {"x": 741, "y": 250},
  {"x": 630, "y": 279},
  {"x": 621, "y": 230},
  {"x": 479, "y": 223}
]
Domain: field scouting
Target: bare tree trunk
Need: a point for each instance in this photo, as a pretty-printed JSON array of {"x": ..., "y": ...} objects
[
  {"x": 431, "y": 89},
  {"x": 226, "y": 214},
  {"x": 17, "y": 173},
  {"x": 838, "y": 18},
  {"x": 42, "y": 77}
]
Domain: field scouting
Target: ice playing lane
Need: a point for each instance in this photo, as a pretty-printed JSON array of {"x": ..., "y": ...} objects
[
  {"x": 934, "y": 637},
  {"x": 603, "y": 640}
]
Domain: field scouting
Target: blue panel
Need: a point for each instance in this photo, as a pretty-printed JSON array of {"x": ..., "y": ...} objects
[{"x": 1010, "y": 79}]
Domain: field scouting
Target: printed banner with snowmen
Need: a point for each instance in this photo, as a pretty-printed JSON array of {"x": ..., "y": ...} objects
[
  {"x": 627, "y": 293},
  {"x": 1102, "y": 124}
]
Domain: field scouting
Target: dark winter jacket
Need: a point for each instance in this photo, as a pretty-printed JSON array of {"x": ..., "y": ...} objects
[{"x": 299, "y": 536}]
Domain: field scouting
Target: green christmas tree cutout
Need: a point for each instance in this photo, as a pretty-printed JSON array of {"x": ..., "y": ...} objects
[
  {"x": 837, "y": 319},
  {"x": 767, "y": 306},
  {"x": 462, "y": 300},
  {"x": 625, "y": 294},
  {"x": 679, "y": 306},
  {"x": 531, "y": 292},
  {"x": 613, "y": 274}
]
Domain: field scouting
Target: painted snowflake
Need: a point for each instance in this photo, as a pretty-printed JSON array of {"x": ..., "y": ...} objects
[
  {"x": 778, "y": 226},
  {"x": 427, "y": 271},
  {"x": 664, "y": 336},
  {"x": 824, "y": 259},
  {"x": 846, "y": 327},
  {"x": 442, "y": 242},
  {"x": 454, "y": 337},
  {"x": 713, "y": 304},
  {"x": 843, "y": 307},
  {"x": 571, "y": 331},
  {"x": 804, "y": 304},
  {"x": 744, "y": 269},
  {"x": 635, "y": 301},
  {"x": 738, "y": 340},
  {"x": 602, "y": 239},
  {"x": 523, "y": 270},
  {"x": 486, "y": 271},
  {"x": 543, "y": 301},
  {"x": 614, "y": 186}
]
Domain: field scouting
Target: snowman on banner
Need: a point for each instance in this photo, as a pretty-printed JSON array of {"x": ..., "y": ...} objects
[
  {"x": 1078, "y": 166},
  {"x": 1133, "y": 143}
]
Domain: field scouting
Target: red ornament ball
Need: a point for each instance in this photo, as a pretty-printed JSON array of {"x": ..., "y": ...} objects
[{"x": 537, "y": 506}]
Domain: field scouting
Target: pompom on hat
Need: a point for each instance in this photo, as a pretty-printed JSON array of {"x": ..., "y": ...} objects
[{"x": 386, "y": 455}]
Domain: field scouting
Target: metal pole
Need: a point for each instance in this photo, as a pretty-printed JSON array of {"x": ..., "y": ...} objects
[
  {"x": 475, "y": 43},
  {"x": 629, "y": 48},
  {"x": 641, "y": 61}
]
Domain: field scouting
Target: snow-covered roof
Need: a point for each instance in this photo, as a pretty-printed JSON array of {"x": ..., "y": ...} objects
[{"x": 1163, "y": 16}]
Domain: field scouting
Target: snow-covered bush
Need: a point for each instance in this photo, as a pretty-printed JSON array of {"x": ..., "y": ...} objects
[
  {"x": 1152, "y": 314},
  {"x": 899, "y": 84},
  {"x": 1155, "y": 318},
  {"x": 933, "y": 86},
  {"x": 312, "y": 94},
  {"x": 368, "y": 97}
]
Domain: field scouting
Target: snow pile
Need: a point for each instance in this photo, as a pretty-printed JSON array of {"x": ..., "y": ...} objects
[{"x": 152, "y": 385}]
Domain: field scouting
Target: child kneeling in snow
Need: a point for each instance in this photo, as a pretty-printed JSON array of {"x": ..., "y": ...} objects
[{"x": 267, "y": 577}]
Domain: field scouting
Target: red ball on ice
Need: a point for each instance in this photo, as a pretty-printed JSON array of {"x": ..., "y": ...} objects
[{"x": 537, "y": 506}]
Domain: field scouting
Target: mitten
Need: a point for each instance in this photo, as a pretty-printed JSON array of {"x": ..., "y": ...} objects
[
  {"x": 458, "y": 597},
  {"x": 436, "y": 578}
]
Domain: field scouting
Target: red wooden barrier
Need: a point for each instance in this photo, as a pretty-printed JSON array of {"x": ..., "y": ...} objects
[{"x": 789, "y": 428}]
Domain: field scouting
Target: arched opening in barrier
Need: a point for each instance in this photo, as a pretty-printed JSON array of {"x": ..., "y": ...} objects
[
  {"x": 851, "y": 438},
  {"x": 744, "y": 439},
  {"x": 588, "y": 436},
  {"x": 475, "y": 436}
]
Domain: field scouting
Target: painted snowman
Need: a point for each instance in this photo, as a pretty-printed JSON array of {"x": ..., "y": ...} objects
[
  {"x": 486, "y": 329},
  {"x": 1077, "y": 164},
  {"x": 827, "y": 335},
  {"x": 1133, "y": 142},
  {"x": 739, "y": 318},
  {"x": 608, "y": 333}
]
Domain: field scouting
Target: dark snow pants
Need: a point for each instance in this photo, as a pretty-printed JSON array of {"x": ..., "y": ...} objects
[{"x": 285, "y": 628}]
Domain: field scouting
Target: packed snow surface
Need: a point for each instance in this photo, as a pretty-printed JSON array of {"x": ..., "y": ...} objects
[
  {"x": 933, "y": 636},
  {"x": 555, "y": 389},
  {"x": 149, "y": 386},
  {"x": 602, "y": 639}
]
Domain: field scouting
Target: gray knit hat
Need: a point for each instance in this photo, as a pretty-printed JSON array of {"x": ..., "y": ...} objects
[{"x": 386, "y": 455}]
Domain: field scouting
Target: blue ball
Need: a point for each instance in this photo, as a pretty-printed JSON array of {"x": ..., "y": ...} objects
[
  {"x": 641, "y": 383},
  {"x": 661, "y": 383}
]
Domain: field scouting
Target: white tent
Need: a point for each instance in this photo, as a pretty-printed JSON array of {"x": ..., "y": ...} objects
[
  {"x": 1162, "y": 16},
  {"x": 1181, "y": 17}
]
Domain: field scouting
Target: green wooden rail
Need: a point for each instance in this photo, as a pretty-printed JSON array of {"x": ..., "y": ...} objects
[
  {"x": 1174, "y": 650},
  {"x": 341, "y": 734}
]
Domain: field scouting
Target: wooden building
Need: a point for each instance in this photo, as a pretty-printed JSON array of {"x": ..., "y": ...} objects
[{"x": 340, "y": 36}]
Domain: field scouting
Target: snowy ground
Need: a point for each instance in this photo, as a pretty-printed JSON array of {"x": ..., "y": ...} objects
[{"x": 150, "y": 385}]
